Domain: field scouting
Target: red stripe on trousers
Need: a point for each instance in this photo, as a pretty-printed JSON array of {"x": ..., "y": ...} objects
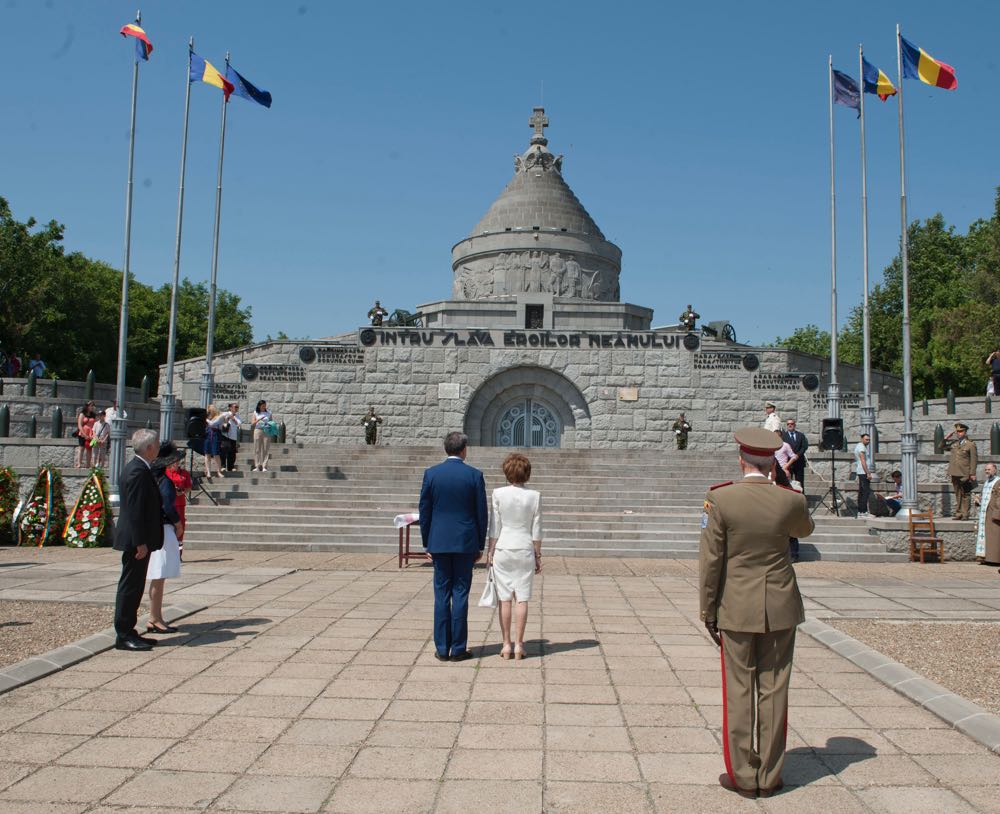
[{"x": 725, "y": 720}]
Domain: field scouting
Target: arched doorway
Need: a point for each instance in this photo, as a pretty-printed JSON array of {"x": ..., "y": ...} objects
[
  {"x": 528, "y": 423},
  {"x": 528, "y": 406}
]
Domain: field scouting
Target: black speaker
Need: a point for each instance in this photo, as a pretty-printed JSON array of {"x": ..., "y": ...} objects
[
  {"x": 195, "y": 422},
  {"x": 832, "y": 438}
]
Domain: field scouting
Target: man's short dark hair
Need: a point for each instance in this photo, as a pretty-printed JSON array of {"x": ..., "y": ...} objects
[
  {"x": 455, "y": 442},
  {"x": 896, "y": 473}
]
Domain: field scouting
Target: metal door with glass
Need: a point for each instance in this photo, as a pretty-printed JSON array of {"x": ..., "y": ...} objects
[{"x": 527, "y": 424}]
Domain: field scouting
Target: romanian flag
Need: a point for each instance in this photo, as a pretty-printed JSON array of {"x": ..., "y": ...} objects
[
  {"x": 875, "y": 81},
  {"x": 243, "y": 87},
  {"x": 143, "y": 47},
  {"x": 918, "y": 64},
  {"x": 204, "y": 71}
]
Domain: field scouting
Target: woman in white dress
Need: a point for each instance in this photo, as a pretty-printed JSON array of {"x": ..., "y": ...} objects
[
  {"x": 166, "y": 563},
  {"x": 515, "y": 550}
]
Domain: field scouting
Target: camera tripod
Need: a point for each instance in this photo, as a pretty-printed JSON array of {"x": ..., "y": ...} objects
[
  {"x": 833, "y": 493},
  {"x": 195, "y": 480}
]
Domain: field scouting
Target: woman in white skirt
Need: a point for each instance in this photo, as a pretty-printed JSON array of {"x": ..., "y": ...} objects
[
  {"x": 515, "y": 549},
  {"x": 165, "y": 563}
]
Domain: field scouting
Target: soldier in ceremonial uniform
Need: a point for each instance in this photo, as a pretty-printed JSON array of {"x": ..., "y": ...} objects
[
  {"x": 371, "y": 422},
  {"x": 681, "y": 430},
  {"x": 377, "y": 314},
  {"x": 689, "y": 317},
  {"x": 750, "y": 604},
  {"x": 961, "y": 469}
]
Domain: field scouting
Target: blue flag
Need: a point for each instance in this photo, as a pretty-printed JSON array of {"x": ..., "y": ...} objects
[
  {"x": 845, "y": 91},
  {"x": 241, "y": 87}
]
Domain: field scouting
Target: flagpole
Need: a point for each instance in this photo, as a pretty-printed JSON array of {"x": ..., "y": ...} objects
[
  {"x": 833, "y": 389},
  {"x": 867, "y": 409},
  {"x": 167, "y": 399},
  {"x": 208, "y": 378},
  {"x": 908, "y": 438},
  {"x": 119, "y": 427}
]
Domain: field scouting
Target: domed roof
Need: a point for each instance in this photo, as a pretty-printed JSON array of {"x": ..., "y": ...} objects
[{"x": 537, "y": 195}]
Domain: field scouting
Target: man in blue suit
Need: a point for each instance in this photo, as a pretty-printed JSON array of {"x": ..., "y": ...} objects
[{"x": 453, "y": 525}]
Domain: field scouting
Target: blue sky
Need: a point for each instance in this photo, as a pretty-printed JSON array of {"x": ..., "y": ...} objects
[{"x": 695, "y": 135}]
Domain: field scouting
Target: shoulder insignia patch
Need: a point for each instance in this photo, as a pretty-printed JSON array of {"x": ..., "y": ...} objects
[{"x": 719, "y": 485}]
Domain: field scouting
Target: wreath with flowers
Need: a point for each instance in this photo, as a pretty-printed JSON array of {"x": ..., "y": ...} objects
[
  {"x": 90, "y": 523},
  {"x": 42, "y": 518},
  {"x": 9, "y": 493}
]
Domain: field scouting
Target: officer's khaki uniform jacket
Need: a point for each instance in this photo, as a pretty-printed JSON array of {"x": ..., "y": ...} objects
[
  {"x": 964, "y": 459},
  {"x": 747, "y": 582}
]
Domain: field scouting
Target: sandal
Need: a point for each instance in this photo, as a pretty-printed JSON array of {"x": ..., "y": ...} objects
[
  {"x": 518, "y": 652},
  {"x": 505, "y": 652}
]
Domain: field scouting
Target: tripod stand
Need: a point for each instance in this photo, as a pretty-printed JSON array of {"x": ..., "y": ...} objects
[
  {"x": 833, "y": 493},
  {"x": 195, "y": 480}
]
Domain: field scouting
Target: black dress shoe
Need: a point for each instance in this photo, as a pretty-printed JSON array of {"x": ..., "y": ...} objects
[
  {"x": 464, "y": 656},
  {"x": 440, "y": 657},
  {"x": 150, "y": 642},
  {"x": 726, "y": 782},
  {"x": 773, "y": 790},
  {"x": 136, "y": 644}
]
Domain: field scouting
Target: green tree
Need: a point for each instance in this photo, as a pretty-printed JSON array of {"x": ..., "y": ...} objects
[
  {"x": 68, "y": 308},
  {"x": 809, "y": 339}
]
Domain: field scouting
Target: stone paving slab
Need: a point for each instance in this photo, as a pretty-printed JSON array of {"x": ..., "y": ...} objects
[{"x": 316, "y": 690}]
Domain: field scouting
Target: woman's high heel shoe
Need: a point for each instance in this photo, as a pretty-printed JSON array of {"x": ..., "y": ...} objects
[
  {"x": 505, "y": 652},
  {"x": 152, "y": 628},
  {"x": 518, "y": 653}
]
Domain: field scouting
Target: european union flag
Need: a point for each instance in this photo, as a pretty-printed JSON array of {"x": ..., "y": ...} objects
[
  {"x": 244, "y": 88},
  {"x": 845, "y": 91}
]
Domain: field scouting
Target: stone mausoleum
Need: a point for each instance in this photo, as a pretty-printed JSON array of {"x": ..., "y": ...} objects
[{"x": 534, "y": 348}]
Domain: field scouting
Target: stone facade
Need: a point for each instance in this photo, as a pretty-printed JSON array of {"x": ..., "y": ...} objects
[
  {"x": 605, "y": 389},
  {"x": 535, "y": 349}
]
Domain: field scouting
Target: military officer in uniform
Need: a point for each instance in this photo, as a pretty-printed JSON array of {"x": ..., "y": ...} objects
[
  {"x": 689, "y": 317},
  {"x": 750, "y": 604},
  {"x": 961, "y": 469},
  {"x": 681, "y": 429},
  {"x": 371, "y": 422},
  {"x": 377, "y": 314}
]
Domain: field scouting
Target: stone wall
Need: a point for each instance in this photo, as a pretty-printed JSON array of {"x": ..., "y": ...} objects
[
  {"x": 424, "y": 381},
  {"x": 25, "y": 455},
  {"x": 959, "y": 538}
]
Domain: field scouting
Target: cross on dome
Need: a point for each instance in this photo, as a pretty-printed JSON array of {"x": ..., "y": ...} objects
[{"x": 539, "y": 121}]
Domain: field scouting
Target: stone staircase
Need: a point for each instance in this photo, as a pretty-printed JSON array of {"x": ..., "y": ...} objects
[{"x": 597, "y": 503}]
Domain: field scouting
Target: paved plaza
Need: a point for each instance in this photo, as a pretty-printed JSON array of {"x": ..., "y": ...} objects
[{"x": 307, "y": 683}]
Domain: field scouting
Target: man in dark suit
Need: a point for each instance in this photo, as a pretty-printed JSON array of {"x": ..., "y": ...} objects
[
  {"x": 139, "y": 530},
  {"x": 799, "y": 443},
  {"x": 453, "y": 525}
]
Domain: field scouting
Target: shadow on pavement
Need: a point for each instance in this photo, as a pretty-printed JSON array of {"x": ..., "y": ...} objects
[
  {"x": 214, "y": 632},
  {"x": 803, "y": 768},
  {"x": 536, "y": 647}
]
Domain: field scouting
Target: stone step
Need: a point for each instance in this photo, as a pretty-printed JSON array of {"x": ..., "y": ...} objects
[{"x": 807, "y": 552}]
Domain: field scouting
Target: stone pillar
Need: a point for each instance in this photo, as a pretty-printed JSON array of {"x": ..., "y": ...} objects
[
  {"x": 206, "y": 387},
  {"x": 116, "y": 456},
  {"x": 908, "y": 443},
  {"x": 167, "y": 402},
  {"x": 868, "y": 422}
]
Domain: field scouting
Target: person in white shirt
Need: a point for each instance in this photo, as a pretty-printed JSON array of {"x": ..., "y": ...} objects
[
  {"x": 863, "y": 469},
  {"x": 99, "y": 442},
  {"x": 261, "y": 440},
  {"x": 229, "y": 442},
  {"x": 515, "y": 548},
  {"x": 772, "y": 421}
]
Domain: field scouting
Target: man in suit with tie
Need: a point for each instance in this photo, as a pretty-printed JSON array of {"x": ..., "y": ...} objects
[
  {"x": 453, "y": 525},
  {"x": 799, "y": 443},
  {"x": 139, "y": 531}
]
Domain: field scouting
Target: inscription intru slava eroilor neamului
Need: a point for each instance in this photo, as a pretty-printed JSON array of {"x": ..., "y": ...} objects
[{"x": 496, "y": 338}]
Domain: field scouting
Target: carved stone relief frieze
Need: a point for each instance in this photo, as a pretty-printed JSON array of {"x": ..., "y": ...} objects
[{"x": 534, "y": 271}]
